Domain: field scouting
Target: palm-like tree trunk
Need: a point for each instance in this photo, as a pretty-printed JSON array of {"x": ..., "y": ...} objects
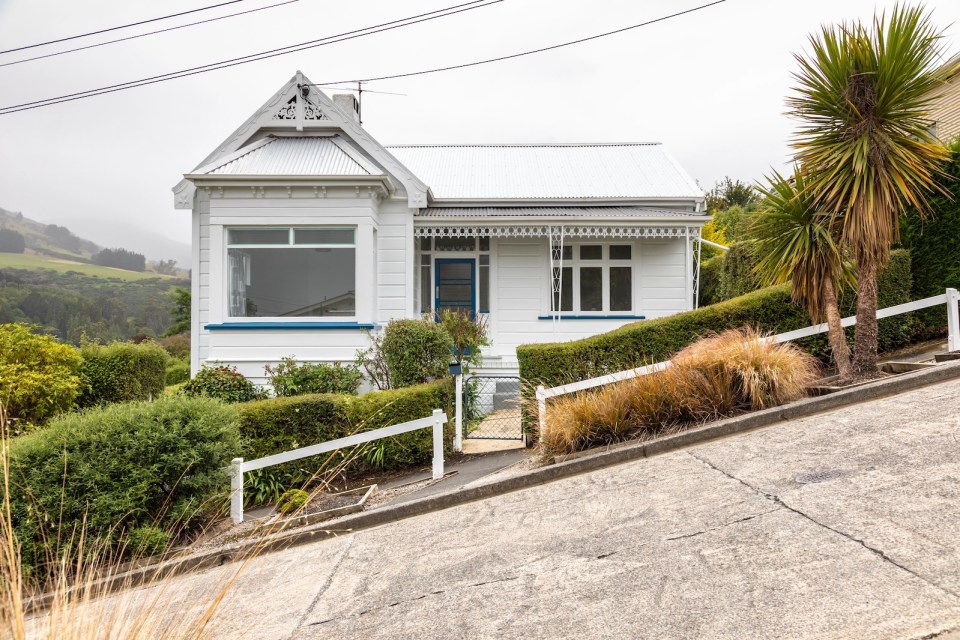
[
  {"x": 836, "y": 335},
  {"x": 865, "y": 341}
]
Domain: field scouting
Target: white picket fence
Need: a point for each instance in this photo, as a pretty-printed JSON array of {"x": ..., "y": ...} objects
[
  {"x": 238, "y": 466},
  {"x": 950, "y": 298}
]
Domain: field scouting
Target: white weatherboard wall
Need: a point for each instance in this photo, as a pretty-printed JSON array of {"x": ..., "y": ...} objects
[
  {"x": 382, "y": 254},
  {"x": 522, "y": 291}
]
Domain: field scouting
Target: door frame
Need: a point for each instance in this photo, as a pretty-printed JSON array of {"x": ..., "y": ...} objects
[{"x": 473, "y": 282}]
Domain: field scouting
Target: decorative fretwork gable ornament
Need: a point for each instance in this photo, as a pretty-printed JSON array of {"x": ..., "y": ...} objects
[{"x": 311, "y": 111}]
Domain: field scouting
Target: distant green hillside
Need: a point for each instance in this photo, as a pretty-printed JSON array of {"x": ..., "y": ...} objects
[
  {"x": 61, "y": 265},
  {"x": 102, "y": 303},
  {"x": 48, "y": 239}
]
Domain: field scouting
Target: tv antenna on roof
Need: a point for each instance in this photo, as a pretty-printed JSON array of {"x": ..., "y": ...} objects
[{"x": 359, "y": 91}]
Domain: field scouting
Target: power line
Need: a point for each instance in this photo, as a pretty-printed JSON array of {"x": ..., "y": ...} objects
[
  {"x": 263, "y": 55},
  {"x": 147, "y": 81},
  {"x": 148, "y": 33},
  {"x": 531, "y": 51},
  {"x": 122, "y": 26}
]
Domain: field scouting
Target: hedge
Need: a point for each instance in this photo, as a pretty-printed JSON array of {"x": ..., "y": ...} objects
[
  {"x": 280, "y": 424},
  {"x": 648, "y": 341},
  {"x": 118, "y": 468},
  {"x": 711, "y": 271},
  {"x": 121, "y": 372},
  {"x": 737, "y": 277},
  {"x": 934, "y": 250},
  {"x": 38, "y": 375}
]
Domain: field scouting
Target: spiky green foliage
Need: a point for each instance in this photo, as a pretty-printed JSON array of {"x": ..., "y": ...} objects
[{"x": 795, "y": 242}]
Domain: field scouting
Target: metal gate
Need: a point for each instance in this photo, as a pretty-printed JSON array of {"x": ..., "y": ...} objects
[{"x": 491, "y": 408}]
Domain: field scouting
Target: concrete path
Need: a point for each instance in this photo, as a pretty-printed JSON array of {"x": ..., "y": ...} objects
[{"x": 842, "y": 525}]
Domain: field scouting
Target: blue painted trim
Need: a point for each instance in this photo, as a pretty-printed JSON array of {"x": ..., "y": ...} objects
[
  {"x": 286, "y": 326},
  {"x": 594, "y": 317}
]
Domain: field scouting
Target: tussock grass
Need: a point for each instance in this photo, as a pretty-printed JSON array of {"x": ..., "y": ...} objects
[{"x": 718, "y": 376}]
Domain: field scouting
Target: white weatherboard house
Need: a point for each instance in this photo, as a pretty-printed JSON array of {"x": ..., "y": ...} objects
[{"x": 308, "y": 233}]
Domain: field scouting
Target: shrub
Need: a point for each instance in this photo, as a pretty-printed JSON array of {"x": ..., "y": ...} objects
[
  {"x": 121, "y": 467},
  {"x": 38, "y": 375},
  {"x": 223, "y": 383},
  {"x": 373, "y": 361},
  {"x": 178, "y": 372},
  {"x": 467, "y": 335},
  {"x": 121, "y": 372},
  {"x": 710, "y": 274},
  {"x": 147, "y": 541},
  {"x": 713, "y": 378},
  {"x": 292, "y": 500},
  {"x": 292, "y": 379},
  {"x": 178, "y": 345},
  {"x": 416, "y": 351},
  {"x": 894, "y": 284},
  {"x": 736, "y": 273},
  {"x": 281, "y": 424}
]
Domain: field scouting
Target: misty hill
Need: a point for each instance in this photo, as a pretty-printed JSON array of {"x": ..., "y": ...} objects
[{"x": 58, "y": 241}]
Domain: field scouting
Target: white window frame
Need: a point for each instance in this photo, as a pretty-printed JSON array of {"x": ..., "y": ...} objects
[
  {"x": 575, "y": 264},
  {"x": 473, "y": 254},
  {"x": 290, "y": 244}
]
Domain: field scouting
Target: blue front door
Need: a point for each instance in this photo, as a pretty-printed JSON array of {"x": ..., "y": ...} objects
[{"x": 456, "y": 285}]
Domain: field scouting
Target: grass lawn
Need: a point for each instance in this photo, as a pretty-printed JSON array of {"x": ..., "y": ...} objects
[{"x": 30, "y": 261}]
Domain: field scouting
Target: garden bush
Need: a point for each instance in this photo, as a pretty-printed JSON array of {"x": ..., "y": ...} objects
[
  {"x": 710, "y": 273},
  {"x": 292, "y": 379},
  {"x": 223, "y": 383},
  {"x": 736, "y": 272},
  {"x": 38, "y": 375},
  {"x": 177, "y": 345},
  {"x": 416, "y": 351},
  {"x": 116, "y": 468},
  {"x": 121, "y": 372},
  {"x": 292, "y": 500},
  {"x": 280, "y": 424},
  {"x": 715, "y": 377},
  {"x": 178, "y": 371}
]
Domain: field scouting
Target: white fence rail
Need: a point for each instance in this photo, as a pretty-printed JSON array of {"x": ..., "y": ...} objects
[
  {"x": 950, "y": 298},
  {"x": 238, "y": 466}
]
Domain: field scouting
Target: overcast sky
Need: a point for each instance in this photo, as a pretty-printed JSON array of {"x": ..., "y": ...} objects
[{"x": 709, "y": 85}]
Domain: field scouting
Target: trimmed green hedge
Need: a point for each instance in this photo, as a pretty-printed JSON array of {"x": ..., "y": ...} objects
[
  {"x": 121, "y": 372},
  {"x": 650, "y": 341},
  {"x": 280, "y": 424},
  {"x": 737, "y": 277},
  {"x": 711, "y": 271},
  {"x": 119, "y": 468}
]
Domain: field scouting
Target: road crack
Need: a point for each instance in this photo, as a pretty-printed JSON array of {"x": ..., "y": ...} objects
[
  {"x": 780, "y": 501},
  {"x": 326, "y": 584}
]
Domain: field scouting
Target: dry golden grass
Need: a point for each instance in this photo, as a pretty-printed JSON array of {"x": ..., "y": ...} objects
[{"x": 715, "y": 377}]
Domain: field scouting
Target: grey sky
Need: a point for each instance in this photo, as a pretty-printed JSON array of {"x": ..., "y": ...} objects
[{"x": 709, "y": 85}]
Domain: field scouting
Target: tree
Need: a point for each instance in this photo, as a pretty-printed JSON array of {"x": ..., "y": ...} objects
[
  {"x": 795, "y": 242},
  {"x": 62, "y": 237},
  {"x": 121, "y": 259},
  {"x": 11, "y": 241},
  {"x": 861, "y": 98},
  {"x": 182, "y": 305},
  {"x": 167, "y": 267},
  {"x": 727, "y": 193}
]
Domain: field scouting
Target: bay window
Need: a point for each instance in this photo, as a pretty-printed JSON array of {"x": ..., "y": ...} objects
[
  {"x": 291, "y": 272},
  {"x": 595, "y": 278}
]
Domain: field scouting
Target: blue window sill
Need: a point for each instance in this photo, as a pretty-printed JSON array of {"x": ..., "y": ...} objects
[
  {"x": 593, "y": 317},
  {"x": 287, "y": 326}
]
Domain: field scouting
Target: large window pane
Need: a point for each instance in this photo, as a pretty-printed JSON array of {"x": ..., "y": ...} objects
[
  {"x": 323, "y": 236},
  {"x": 259, "y": 236},
  {"x": 591, "y": 289},
  {"x": 621, "y": 288},
  {"x": 292, "y": 282}
]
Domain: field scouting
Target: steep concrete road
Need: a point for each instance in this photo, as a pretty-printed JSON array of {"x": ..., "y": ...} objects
[{"x": 842, "y": 525}]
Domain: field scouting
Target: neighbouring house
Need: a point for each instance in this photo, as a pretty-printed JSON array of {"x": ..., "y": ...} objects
[
  {"x": 945, "y": 106},
  {"x": 308, "y": 234}
]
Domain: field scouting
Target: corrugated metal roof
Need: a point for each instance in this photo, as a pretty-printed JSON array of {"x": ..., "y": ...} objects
[
  {"x": 627, "y": 170},
  {"x": 555, "y": 212},
  {"x": 319, "y": 156}
]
